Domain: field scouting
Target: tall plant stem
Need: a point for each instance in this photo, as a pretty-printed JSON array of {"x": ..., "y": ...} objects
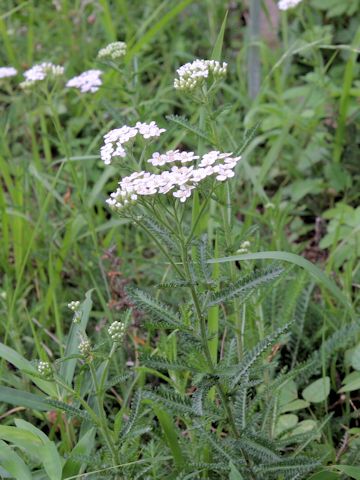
[
  {"x": 203, "y": 331},
  {"x": 102, "y": 416}
]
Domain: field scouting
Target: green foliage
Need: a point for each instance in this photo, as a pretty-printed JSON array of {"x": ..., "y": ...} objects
[{"x": 228, "y": 367}]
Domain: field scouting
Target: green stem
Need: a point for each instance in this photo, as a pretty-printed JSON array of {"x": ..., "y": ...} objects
[{"x": 103, "y": 422}]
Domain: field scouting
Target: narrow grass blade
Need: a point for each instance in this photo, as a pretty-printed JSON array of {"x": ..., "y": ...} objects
[
  {"x": 12, "y": 396},
  {"x": 216, "y": 53},
  {"x": 296, "y": 260}
]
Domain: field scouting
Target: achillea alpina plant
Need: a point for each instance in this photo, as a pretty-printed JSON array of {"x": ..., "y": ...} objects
[{"x": 158, "y": 201}]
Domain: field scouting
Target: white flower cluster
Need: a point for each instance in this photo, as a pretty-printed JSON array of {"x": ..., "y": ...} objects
[
  {"x": 88, "y": 81},
  {"x": 193, "y": 74},
  {"x": 287, "y": 4},
  {"x": 44, "y": 368},
  {"x": 74, "y": 305},
  {"x": 7, "y": 72},
  {"x": 115, "y": 139},
  {"x": 85, "y": 348},
  {"x": 41, "y": 72},
  {"x": 181, "y": 180},
  {"x": 244, "y": 247},
  {"x": 113, "y": 50},
  {"x": 117, "y": 331}
]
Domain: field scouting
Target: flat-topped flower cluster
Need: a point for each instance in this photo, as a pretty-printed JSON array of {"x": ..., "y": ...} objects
[
  {"x": 88, "y": 81},
  {"x": 194, "y": 74},
  {"x": 114, "y": 50},
  {"x": 6, "y": 72},
  {"x": 40, "y": 72},
  {"x": 115, "y": 139},
  {"x": 180, "y": 179}
]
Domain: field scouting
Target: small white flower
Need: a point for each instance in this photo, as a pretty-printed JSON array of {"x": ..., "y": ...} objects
[
  {"x": 85, "y": 348},
  {"x": 44, "y": 368},
  {"x": 6, "y": 72},
  {"x": 41, "y": 72},
  {"x": 88, "y": 81},
  {"x": 184, "y": 192},
  {"x": 117, "y": 331},
  {"x": 181, "y": 180},
  {"x": 287, "y": 4},
  {"x": 223, "y": 173},
  {"x": 194, "y": 74},
  {"x": 113, "y": 50},
  {"x": 115, "y": 139},
  {"x": 74, "y": 305}
]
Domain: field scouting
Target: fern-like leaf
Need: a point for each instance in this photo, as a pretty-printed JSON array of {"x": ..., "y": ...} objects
[
  {"x": 153, "y": 307},
  {"x": 172, "y": 402},
  {"x": 134, "y": 413},
  {"x": 70, "y": 410},
  {"x": 259, "y": 448},
  {"x": 184, "y": 123},
  {"x": 245, "y": 286},
  {"x": 251, "y": 357}
]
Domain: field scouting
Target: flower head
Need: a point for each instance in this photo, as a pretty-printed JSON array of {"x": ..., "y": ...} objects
[
  {"x": 88, "y": 81},
  {"x": 40, "y": 72},
  {"x": 74, "y": 305},
  {"x": 44, "y": 369},
  {"x": 117, "y": 331},
  {"x": 287, "y": 4},
  {"x": 6, "y": 72},
  {"x": 115, "y": 139},
  {"x": 180, "y": 180},
  {"x": 85, "y": 349},
  {"x": 194, "y": 74},
  {"x": 113, "y": 50}
]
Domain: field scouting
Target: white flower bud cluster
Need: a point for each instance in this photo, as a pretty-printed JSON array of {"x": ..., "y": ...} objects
[
  {"x": 194, "y": 74},
  {"x": 244, "y": 247},
  {"x": 181, "y": 180},
  {"x": 85, "y": 348},
  {"x": 88, "y": 81},
  {"x": 287, "y": 4},
  {"x": 74, "y": 305},
  {"x": 44, "y": 368},
  {"x": 41, "y": 72},
  {"x": 113, "y": 50},
  {"x": 117, "y": 331},
  {"x": 115, "y": 139},
  {"x": 6, "y": 72}
]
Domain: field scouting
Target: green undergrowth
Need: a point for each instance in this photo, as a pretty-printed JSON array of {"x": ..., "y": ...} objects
[{"x": 240, "y": 356}]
